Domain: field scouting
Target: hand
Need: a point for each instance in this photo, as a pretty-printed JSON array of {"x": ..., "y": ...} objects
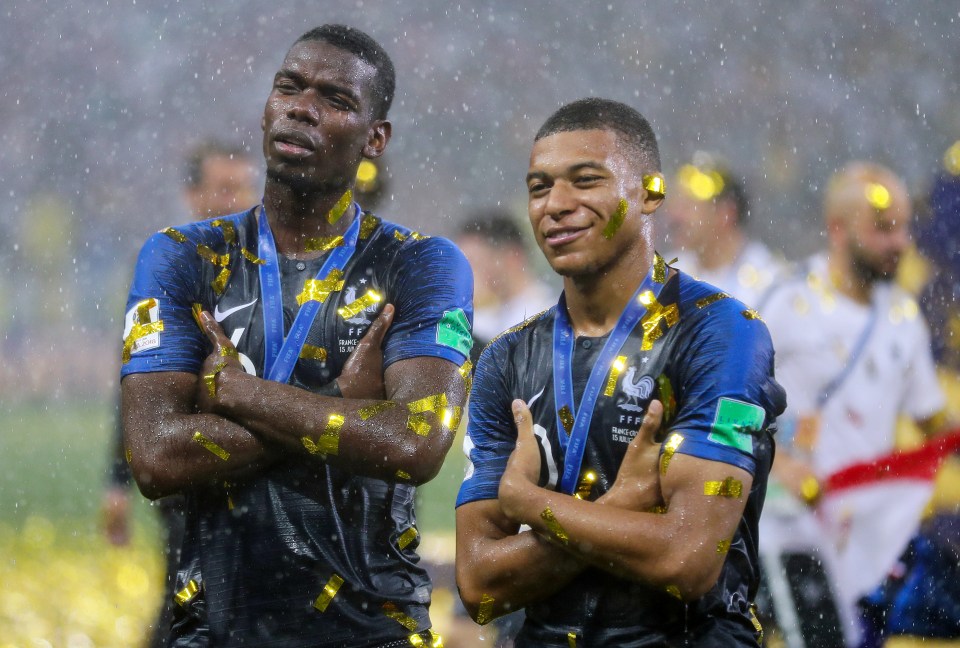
[
  {"x": 523, "y": 466},
  {"x": 362, "y": 375},
  {"x": 797, "y": 477},
  {"x": 221, "y": 360},
  {"x": 637, "y": 486},
  {"x": 115, "y": 511}
]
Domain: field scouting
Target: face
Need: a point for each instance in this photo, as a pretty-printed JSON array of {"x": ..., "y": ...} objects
[
  {"x": 877, "y": 239},
  {"x": 318, "y": 122},
  {"x": 227, "y": 185},
  {"x": 575, "y": 184}
]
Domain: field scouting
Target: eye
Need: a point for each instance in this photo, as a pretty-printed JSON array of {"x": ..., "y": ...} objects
[
  {"x": 586, "y": 180},
  {"x": 537, "y": 188},
  {"x": 284, "y": 86}
]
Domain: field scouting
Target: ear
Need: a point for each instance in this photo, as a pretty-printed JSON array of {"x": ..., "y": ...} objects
[
  {"x": 652, "y": 199},
  {"x": 379, "y": 135}
]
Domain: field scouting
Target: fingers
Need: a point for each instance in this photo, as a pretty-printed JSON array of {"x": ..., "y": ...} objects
[
  {"x": 651, "y": 424},
  {"x": 214, "y": 331},
  {"x": 522, "y": 419},
  {"x": 378, "y": 329}
]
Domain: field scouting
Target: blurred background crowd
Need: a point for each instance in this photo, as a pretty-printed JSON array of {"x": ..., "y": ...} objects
[{"x": 101, "y": 104}]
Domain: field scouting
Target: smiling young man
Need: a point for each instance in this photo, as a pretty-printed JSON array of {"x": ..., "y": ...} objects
[
  {"x": 255, "y": 382},
  {"x": 655, "y": 545}
]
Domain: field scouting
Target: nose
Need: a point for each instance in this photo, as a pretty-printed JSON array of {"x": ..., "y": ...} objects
[
  {"x": 560, "y": 201},
  {"x": 302, "y": 108}
]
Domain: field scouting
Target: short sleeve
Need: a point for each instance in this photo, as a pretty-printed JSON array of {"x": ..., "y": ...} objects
[
  {"x": 923, "y": 397},
  {"x": 160, "y": 333},
  {"x": 728, "y": 396},
  {"x": 491, "y": 436},
  {"x": 433, "y": 297}
]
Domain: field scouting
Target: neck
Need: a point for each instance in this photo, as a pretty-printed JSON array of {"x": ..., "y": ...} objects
[
  {"x": 296, "y": 216},
  {"x": 846, "y": 282},
  {"x": 723, "y": 251},
  {"x": 596, "y": 301}
]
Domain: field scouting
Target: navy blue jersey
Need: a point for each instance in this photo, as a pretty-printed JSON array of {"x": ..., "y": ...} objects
[
  {"x": 260, "y": 552},
  {"x": 710, "y": 362}
]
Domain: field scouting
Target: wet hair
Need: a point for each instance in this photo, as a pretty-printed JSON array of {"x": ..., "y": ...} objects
[
  {"x": 495, "y": 226},
  {"x": 210, "y": 148},
  {"x": 630, "y": 126},
  {"x": 367, "y": 50}
]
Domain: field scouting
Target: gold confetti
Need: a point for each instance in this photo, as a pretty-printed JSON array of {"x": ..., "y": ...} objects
[
  {"x": 756, "y": 623},
  {"x": 229, "y": 352},
  {"x": 251, "y": 257},
  {"x": 723, "y": 546},
  {"x": 226, "y": 487},
  {"x": 323, "y": 243},
  {"x": 329, "y": 591},
  {"x": 554, "y": 526},
  {"x": 751, "y": 314},
  {"x": 210, "y": 379},
  {"x": 188, "y": 593},
  {"x": 655, "y": 314},
  {"x": 586, "y": 485},
  {"x": 566, "y": 418},
  {"x": 176, "y": 235},
  {"x": 415, "y": 640},
  {"x": 667, "y": 398},
  {"x": 210, "y": 445},
  {"x": 129, "y": 455},
  {"x": 712, "y": 299},
  {"x": 729, "y": 487},
  {"x": 311, "y": 352},
  {"x": 418, "y": 423},
  {"x": 659, "y": 509},
  {"x": 229, "y": 232},
  {"x": 328, "y": 443},
  {"x": 434, "y": 403},
  {"x": 403, "y": 474},
  {"x": 436, "y": 641},
  {"x": 220, "y": 283},
  {"x": 485, "y": 611},
  {"x": 140, "y": 329},
  {"x": 616, "y": 220},
  {"x": 466, "y": 372},
  {"x": 399, "y": 236},
  {"x": 340, "y": 208},
  {"x": 615, "y": 369},
  {"x": 370, "y": 298},
  {"x": 669, "y": 449},
  {"x": 878, "y": 196},
  {"x": 196, "y": 309},
  {"x": 391, "y": 610},
  {"x": 319, "y": 289},
  {"x": 368, "y": 225},
  {"x": 207, "y": 254},
  {"x": 674, "y": 591},
  {"x": 655, "y": 186},
  {"x": 370, "y": 411},
  {"x": 571, "y": 640},
  {"x": 407, "y": 537},
  {"x": 659, "y": 268},
  {"x": 450, "y": 418}
]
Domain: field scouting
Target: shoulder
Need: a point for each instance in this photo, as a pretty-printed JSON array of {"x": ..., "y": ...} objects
[
  {"x": 535, "y": 326},
  {"x": 705, "y": 307},
  {"x": 412, "y": 247}
]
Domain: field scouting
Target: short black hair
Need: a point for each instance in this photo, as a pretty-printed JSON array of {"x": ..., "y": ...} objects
[
  {"x": 595, "y": 113},
  {"x": 203, "y": 151},
  {"x": 367, "y": 50},
  {"x": 495, "y": 225}
]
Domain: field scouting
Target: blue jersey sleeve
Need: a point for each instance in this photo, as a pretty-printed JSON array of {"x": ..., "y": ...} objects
[
  {"x": 434, "y": 303},
  {"x": 727, "y": 394},
  {"x": 490, "y": 436},
  {"x": 160, "y": 333}
]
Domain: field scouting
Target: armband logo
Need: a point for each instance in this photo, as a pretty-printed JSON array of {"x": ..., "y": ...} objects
[
  {"x": 141, "y": 328},
  {"x": 735, "y": 423},
  {"x": 453, "y": 331}
]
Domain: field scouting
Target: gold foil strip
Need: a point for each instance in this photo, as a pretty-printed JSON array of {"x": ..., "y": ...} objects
[
  {"x": 338, "y": 210},
  {"x": 756, "y": 623},
  {"x": 566, "y": 418},
  {"x": 667, "y": 398},
  {"x": 328, "y": 443},
  {"x": 329, "y": 592},
  {"x": 251, "y": 257},
  {"x": 226, "y": 488},
  {"x": 712, "y": 299},
  {"x": 368, "y": 225},
  {"x": 319, "y": 289},
  {"x": 370, "y": 298},
  {"x": 616, "y": 368},
  {"x": 129, "y": 455},
  {"x": 417, "y": 236},
  {"x": 669, "y": 449},
  {"x": 554, "y": 526},
  {"x": 210, "y": 379},
  {"x": 418, "y": 423},
  {"x": 195, "y": 310},
  {"x": 207, "y": 254},
  {"x": 139, "y": 331},
  {"x": 370, "y": 411},
  {"x": 485, "y": 611},
  {"x": 229, "y": 231},
  {"x": 210, "y": 445},
  {"x": 729, "y": 487},
  {"x": 391, "y": 610},
  {"x": 466, "y": 372},
  {"x": 397, "y": 234},
  {"x": 176, "y": 235},
  {"x": 403, "y": 474},
  {"x": 655, "y": 186},
  {"x": 655, "y": 314},
  {"x": 586, "y": 485},
  {"x": 415, "y": 640},
  {"x": 723, "y": 546},
  {"x": 407, "y": 537},
  {"x": 312, "y": 352},
  {"x": 220, "y": 283},
  {"x": 616, "y": 220},
  {"x": 436, "y": 641},
  {"x": 659, "y": 509},
  {"x": 434, "y": 403},
  {"x": 571, "y": 640},
  {"x": 187, "y": 594},
  {"x": 674, "y": 591},
  {"x": 229, "y": 352},
  {"x": 450, "y": 418},
  {"x": 659, "y": 268},
  {"x": 751, "y": 314},
  {"x": 323, "y": 243}
]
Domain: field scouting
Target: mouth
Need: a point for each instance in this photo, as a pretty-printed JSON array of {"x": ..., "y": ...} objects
[
  {"x": 560, "y": 236},
  {"x": 294, "y": 143}
]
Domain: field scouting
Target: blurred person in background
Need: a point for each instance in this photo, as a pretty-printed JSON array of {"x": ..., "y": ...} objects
[
  {"x": 505, "y": 287},
  {"x": 853, "y": 353},
  {"x": 706, "y": 217},
  {"x": 296, "y": 370},
  {"x": 219, "y": 179}
]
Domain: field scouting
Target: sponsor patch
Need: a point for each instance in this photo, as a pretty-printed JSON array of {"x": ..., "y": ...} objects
[
  {"x": 453, "y": 331},
  {"x": 142, "y": 314},
  {"x": 735, "y": 424}
]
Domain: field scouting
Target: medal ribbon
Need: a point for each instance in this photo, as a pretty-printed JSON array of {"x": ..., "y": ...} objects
[
  {"x": 280, "y": 353},
  {"x": 575, "y": 444}
]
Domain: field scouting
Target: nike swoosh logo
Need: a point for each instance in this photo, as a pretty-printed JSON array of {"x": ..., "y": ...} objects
[{"x": 222, "y": 315}]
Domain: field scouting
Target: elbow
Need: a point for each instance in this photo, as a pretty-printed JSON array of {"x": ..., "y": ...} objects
[
  {"x": 688, "y": 577},
  {"x": 476, "y": 600},
  {"x": 421, "y": 458},
  {"x": 151, "y": 482}
]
